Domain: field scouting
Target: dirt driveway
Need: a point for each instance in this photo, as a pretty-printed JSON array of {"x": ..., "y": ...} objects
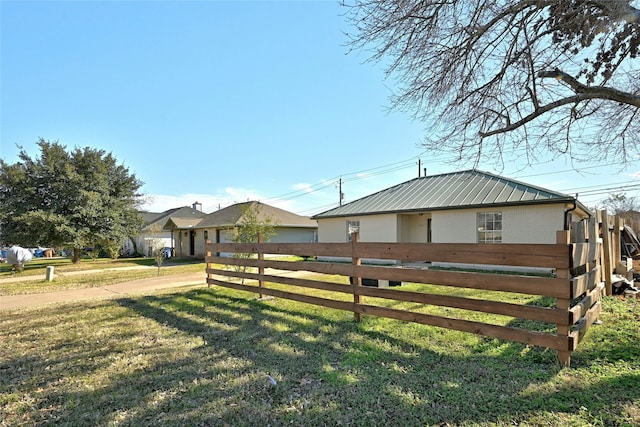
[{"x": 139, "y": 286}]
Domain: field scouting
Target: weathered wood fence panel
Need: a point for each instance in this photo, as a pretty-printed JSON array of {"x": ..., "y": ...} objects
[
  {"x": 572, "y": 320},
  {"x": 587, "y": 287}
]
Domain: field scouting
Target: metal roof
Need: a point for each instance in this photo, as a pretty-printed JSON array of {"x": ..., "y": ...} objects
[{"x": 456, "y": 190}]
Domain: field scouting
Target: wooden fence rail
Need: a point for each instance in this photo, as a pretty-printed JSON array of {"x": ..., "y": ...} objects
[{"x": 577, "y": 295}]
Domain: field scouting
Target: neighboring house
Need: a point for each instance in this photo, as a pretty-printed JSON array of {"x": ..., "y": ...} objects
[
  {"x": 461, "y": 207},
  {"x": 219, "y": 226},
  {"x": 153, "y": 234}
]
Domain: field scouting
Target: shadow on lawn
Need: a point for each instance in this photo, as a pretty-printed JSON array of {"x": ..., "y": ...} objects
[
  {"x": 338, "y": 372},
  {"x": 330, "y": 371}
]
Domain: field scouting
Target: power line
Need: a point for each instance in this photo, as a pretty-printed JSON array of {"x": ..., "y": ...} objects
[
  {"x": 331, "y": 183},
  {"x": 351, "y": 176},
  {"x": 588, "y": 191}
]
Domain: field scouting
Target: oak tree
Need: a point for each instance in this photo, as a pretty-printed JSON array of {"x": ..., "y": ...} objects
[
  {"x": 74, "y": 199},
  {"x": 500, "y": 79}
]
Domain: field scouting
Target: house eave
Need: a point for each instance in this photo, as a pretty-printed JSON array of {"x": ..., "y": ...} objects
[{"x": 450, "y": 208}]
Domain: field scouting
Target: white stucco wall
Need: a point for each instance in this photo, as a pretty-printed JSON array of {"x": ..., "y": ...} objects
[
  {"x": 520, "y": 224},
  {"x": 453, "y": 226},
  {"x": 413, "y": 228},
  {"x": 283, "y": 235},
  {"x": 294, "y": 235},
  {"x": 144, "y": 240},
  {"x": 526, "y": 224},
  {"x": 535, "y": 225},
  {"x": 182, "y": 241},
  {"x": 332, "y": 230},
  {"x": 373, "y": 228}
]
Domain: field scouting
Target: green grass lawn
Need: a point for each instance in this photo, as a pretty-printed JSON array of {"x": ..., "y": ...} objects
[
  {"x": 37, "y": 266},
  {"x": 102, "y": 273},
  {"x": 203, "y": 357}
]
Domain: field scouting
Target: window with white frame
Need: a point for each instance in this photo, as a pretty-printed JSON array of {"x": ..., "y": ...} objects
[
  {"x": 489, "y": 227},
  {"x": 352, "y": 226}
]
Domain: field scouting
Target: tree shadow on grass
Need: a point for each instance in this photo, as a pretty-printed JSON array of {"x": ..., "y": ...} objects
[
  {"x": 314, "y": 357},
  {"x": 617, "y": 342},
  {"x": 328, "y": 369}
]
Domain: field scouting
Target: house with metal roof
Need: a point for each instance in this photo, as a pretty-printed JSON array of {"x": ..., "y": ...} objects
[
  {"x": 461, "y": 207},
  {"x": 219, "y": 227}
]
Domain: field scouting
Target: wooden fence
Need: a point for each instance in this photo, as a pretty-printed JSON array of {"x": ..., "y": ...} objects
[
  {"x": 575, "y": 286},
  {"x": 609, "y": 228}
]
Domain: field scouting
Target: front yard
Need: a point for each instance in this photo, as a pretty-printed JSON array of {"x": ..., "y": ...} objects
[
  {"x": 87, "y": 274},
  {"x": 218, "y": 357}
]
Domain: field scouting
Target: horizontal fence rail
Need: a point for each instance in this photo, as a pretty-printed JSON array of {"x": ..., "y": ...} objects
[{"x": 577, "y": 298}]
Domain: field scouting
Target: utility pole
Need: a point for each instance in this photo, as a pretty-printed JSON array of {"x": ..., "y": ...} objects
[
  {"x": 419, "y": 161},
  {"x": 340, "y": 193}
]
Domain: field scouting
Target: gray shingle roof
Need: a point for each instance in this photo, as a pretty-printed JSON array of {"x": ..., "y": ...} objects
[
  {"x": 183, "y": 213},
  {"x": 232, "y": 216},
  {"x": 457, "y": 190}
]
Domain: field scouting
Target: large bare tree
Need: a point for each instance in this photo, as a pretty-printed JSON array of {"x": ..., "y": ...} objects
[{"x": 501, "y": 79}]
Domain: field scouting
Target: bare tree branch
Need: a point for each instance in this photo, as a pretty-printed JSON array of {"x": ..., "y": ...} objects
[
  {"x": 482, "y": 74},
  {"x": 601, "y": 92}
]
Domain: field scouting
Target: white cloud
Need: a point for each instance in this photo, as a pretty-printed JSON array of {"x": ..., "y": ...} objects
[
  {"x": 303, "y": 186},
  {"x": 163, "y": 202},
  {"x": 229, "y": 196},
  {"x": 365, "y": 175}
]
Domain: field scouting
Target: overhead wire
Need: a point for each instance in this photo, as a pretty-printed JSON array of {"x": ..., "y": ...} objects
[{"x": 588, "y": 191}]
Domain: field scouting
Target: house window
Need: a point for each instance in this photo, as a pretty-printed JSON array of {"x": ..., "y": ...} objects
[
  {"x": 352, "y": 226},
  {"x": 206, "y": 235},
  {"x": 489, "y": 227}
]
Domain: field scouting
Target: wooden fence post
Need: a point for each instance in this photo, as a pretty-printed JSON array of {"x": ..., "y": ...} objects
[
  {"x": 617, "y": 253},
  {"x": 208, "y": 253},
  {"x": 356, "y": 282},
  {"x": 260, "y": 268},
  {"x": 606, "y": 247},
  {"x": 564, "y": 356}
]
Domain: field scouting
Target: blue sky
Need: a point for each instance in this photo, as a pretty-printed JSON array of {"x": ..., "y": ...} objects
[{"x": 223, "y": 102}]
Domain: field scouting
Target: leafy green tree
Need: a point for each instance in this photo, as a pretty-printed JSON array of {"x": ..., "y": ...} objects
[
  {"x": 75, "y": 198},
  {"x": 250, "y": 227},
  {"x": 502, "y": 79},
  {"x": 252, "y": 224},
  {"x": 156, "y": 245}
]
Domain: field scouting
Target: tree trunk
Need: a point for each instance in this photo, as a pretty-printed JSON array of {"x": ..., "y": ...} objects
[
  {"x": 134, "y": 244},
  {"x": 75, "y": 258}
]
